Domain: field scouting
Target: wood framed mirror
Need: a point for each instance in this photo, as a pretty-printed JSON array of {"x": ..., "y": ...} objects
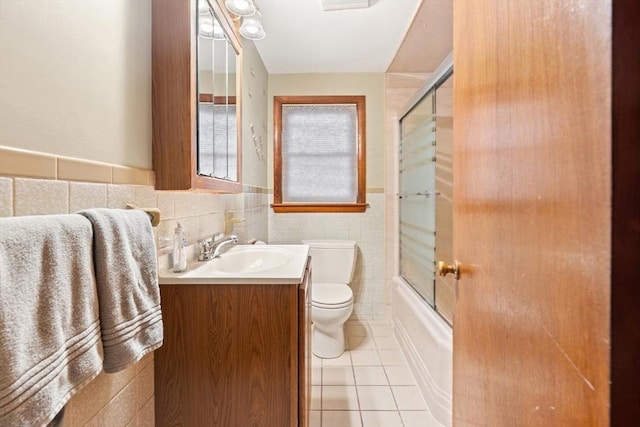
[
  {"x": 196, "y": 96},
  {"x": 217, "y": 102}
]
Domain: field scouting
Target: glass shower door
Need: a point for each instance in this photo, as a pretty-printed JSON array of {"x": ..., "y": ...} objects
[
  {"x": 426, "y": 195},
  {"x": 417, "y": 198}
]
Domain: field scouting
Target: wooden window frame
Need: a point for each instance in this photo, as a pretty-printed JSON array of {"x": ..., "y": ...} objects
[{"x": 278, "y": 206}]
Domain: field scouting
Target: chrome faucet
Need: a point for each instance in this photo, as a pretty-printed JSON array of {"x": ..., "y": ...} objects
[
  {"x": 217, "y": 247},
  {"x": 210, "y": 248}
]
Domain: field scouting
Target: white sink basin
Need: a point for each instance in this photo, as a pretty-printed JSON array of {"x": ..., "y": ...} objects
[
  {"x": 248, "y": 264},
  {"x": 251, "y": 259}
]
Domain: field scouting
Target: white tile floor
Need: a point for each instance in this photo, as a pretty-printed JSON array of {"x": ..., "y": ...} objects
[{"x": 370, "y": 385}]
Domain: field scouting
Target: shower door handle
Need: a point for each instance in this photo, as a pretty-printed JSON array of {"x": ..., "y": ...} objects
[{"x": 443, "y": 269}]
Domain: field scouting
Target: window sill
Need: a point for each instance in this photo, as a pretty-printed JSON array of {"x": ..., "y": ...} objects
[{"x": 319, "y": 207}]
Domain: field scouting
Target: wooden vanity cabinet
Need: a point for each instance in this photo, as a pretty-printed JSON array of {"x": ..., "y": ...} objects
[{"x": 234, "y": 355}]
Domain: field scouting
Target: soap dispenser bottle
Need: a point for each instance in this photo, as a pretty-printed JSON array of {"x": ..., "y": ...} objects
[{"x": 179, "y": 250}]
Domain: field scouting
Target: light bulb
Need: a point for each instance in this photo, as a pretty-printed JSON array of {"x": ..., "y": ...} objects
[{"x": 240, "y": 7}]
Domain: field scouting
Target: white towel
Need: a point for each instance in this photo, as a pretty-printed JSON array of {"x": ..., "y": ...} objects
[
  {"x": 127, "y": 279},
  {"x": 49, "y": 323}
]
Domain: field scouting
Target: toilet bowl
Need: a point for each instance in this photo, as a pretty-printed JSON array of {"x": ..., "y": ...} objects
[{"x": 332, "y": 266}]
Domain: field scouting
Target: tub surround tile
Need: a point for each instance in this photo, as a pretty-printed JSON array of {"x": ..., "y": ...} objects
[
  {"x": 6, "y": 197},
  {"x": 40, "y": 197},
  {"x": 27, "y": 163},
  {"x": 71, "y": 169}
]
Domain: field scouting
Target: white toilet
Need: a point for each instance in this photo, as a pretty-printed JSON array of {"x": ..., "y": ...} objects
[{"x": 332, "y": 266}]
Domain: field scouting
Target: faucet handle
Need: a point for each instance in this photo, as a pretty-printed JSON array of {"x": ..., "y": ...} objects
[{"x": 205, "y": 244}]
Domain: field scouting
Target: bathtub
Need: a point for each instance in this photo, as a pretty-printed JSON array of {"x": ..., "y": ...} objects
[{"x": 426, "y": 341}]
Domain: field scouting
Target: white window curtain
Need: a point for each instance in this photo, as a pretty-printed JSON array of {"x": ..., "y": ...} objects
[{"x": 319, "y": 153}]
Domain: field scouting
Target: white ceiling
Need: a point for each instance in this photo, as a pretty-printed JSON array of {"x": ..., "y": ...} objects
[{"x": 302, "y": 38}]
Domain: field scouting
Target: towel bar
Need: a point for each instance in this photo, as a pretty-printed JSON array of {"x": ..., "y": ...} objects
[{"x": 154, "y": 213}]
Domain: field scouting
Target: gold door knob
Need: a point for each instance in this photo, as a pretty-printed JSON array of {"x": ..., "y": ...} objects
[{"x": 444, "y": 269}]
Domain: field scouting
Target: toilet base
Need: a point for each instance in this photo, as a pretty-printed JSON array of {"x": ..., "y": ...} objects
[{"x": 327, "y": 344}]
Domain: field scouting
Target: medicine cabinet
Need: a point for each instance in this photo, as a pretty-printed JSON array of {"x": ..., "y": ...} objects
[{"x": 196, "y": 96}]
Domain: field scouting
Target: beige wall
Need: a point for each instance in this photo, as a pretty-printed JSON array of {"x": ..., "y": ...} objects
[
  {"x": 254, "y": 117},
  {"x": 370, "y": 85},
  {"x": 76, "y": 78}
]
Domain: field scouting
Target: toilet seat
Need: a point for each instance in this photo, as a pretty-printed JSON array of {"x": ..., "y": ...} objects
[{"x": 331, "y": 295}]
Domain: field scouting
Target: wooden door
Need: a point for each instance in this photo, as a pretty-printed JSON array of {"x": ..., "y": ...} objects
[{"x": 532, "y": 146}]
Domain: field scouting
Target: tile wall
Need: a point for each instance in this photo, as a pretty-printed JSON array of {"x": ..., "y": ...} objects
[
  {"x": 366, "y": 228},
  {"x": 39, "y": 184}
]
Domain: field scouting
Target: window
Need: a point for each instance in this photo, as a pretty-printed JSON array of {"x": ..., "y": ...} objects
[{"x": 319, "y": 154}]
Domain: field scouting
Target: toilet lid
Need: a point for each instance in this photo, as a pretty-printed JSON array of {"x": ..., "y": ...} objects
[{"x": 331, "y": 295}]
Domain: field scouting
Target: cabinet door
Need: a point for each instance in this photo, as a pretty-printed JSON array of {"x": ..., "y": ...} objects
[{"x": 229, "y": 358}]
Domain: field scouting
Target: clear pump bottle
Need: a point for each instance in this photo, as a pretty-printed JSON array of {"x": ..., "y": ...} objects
[{"x": 179, "y": 250}]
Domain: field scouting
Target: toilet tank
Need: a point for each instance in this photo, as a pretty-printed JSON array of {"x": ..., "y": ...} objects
[{"x": 332, "y": 261}]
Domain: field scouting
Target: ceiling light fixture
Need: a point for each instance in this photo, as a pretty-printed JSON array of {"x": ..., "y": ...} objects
[
  {"x": 203, "y": 7},
  {"x": 206, "y": 26},
  {"x": 251, "y": 27},
  {"x": 240, "y": 7}
]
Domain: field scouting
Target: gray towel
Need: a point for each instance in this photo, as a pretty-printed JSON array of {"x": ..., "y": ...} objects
[
  {"x": 127, "y": 279},
  {"x": 49, "y": 323}
]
